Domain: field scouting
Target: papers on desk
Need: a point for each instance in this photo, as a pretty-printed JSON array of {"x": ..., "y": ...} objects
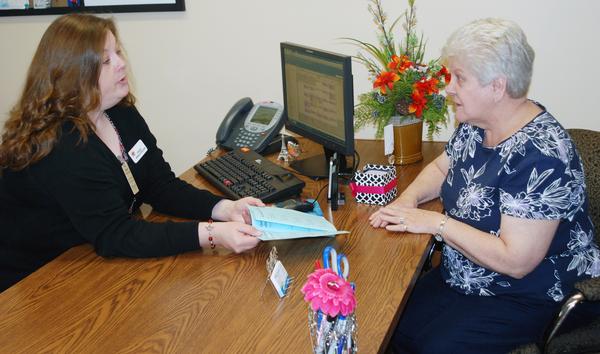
[{"x": 282, "y": 224}]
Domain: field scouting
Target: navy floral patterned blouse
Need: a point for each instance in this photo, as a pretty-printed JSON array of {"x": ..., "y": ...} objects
[{"x": 534, "y": 174}]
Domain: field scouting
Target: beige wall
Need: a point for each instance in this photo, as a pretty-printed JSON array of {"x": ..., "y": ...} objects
[{"x": 190, "y": 67}]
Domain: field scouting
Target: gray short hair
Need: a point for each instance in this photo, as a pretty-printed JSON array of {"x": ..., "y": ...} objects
[{"x": 494, "y": 47}]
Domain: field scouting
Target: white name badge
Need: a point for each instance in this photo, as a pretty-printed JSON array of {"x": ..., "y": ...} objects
[{"x": 137, "y": 151}]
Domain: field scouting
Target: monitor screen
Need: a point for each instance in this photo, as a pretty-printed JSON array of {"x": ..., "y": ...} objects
[{"x": 318, "y": 103}]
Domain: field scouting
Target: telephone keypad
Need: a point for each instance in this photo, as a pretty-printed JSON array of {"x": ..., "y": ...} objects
[{"x": 246, "y": 138}]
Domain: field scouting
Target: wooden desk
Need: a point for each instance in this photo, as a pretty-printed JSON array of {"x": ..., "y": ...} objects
[{"x": 205, "y": 302}]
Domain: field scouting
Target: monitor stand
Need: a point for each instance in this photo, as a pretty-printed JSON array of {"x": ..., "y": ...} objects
[{"x": 317, "y": 167}]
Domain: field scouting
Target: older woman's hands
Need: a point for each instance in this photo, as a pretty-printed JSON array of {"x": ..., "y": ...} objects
[
  {"x": 229, "y": 210},
  {"x": 403, "y": 200},
  {"x": 406, "y": 219}
]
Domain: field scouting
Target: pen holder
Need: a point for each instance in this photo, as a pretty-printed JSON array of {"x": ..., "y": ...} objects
[
  {"x": 375, "y": 184},
  {"x": 331, "y": 317},
  {"x": 332, "y": 334}
]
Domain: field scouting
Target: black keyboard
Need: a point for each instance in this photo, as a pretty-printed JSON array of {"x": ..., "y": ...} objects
[{"x": 241, "y": 174}]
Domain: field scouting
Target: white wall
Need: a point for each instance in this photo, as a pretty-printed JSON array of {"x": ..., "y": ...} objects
[{"x": 190, "y": 67}]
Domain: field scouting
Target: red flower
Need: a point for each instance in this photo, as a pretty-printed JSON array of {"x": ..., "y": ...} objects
[
  {"x": 445, "y": 73},
  {"x": 385, "y": 79},
  {"x": 399, "y": 63},
  {"x": 418, "y": 103},
  {"x": 427, "y": 87}
]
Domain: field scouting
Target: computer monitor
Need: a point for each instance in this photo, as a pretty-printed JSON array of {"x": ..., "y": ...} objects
[{"x": 318, "y": 104}]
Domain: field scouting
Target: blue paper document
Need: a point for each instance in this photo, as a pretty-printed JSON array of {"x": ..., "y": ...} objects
[{"x": 281, "y": 224}]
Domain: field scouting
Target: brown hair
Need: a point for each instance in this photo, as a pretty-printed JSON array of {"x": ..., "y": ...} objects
[{"x": 61, "y": 86}]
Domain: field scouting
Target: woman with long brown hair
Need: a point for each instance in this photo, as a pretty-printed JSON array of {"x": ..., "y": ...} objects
[{"x": 77, "y": 159}]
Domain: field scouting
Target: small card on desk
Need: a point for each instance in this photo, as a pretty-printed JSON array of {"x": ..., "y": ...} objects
[
  {"x": 280, "y": 279},
  {"x": 282, "y": 224}
]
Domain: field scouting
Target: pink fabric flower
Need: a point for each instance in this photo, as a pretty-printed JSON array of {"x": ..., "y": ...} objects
[{"x": 330, "y": 293}]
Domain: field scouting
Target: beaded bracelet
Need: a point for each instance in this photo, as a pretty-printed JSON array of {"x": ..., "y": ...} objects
[{"x": 209, "y": 228}]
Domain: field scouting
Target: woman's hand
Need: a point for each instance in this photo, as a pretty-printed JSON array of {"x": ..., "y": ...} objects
[
  {"x": 229, "y": 210},
  {"x": 235, "y": 236},
  {"x": 424, "y": 188},
  {"x": 407, "y": 219},
  {"x": 403, "y": 200}
]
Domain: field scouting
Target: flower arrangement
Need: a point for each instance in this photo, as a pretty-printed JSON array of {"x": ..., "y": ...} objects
[{"x": 403, "y": 85}]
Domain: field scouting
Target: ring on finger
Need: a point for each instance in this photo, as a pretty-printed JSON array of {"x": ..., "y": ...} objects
[
  {"x": 401, "y": 221},
  {"x": 405, "y": 227}
]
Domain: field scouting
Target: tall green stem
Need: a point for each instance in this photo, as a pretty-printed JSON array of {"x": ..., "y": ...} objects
[{"x": 381, "y": 18}]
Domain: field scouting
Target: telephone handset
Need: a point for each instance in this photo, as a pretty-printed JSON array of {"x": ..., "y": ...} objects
[{"x": 251, "y": 125}]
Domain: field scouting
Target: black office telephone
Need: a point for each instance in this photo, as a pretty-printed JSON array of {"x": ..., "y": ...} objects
[{"x": 251, "y": 125}]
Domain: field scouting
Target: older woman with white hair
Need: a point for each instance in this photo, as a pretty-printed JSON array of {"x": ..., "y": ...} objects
[{"x": 516, "y": 229}]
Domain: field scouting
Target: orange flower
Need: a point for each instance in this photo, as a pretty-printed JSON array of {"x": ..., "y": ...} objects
[
  {"x": 385, "y": 79},
  {"x": 418, "y": 103},
  {"x": 400, "y": 63}
]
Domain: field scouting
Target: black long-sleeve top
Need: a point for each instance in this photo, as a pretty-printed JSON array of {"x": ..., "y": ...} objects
[{"x": 79, "y": 193}]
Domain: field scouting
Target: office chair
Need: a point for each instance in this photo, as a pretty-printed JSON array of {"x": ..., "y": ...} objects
[
  {"x": 436, "y": 247},
  {"x": 587, "y": 338}
]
